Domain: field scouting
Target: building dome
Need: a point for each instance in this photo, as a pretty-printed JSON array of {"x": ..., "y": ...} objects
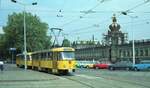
[{"x": 114, "y": 27}]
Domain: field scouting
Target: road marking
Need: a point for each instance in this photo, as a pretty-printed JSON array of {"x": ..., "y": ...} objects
[{"x": 87, "y": 76}]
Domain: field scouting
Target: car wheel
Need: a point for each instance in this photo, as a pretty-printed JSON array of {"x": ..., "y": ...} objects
[
  {"x": 111, "y": 68},
  {"x": 87, "y": 67},
  {"x": 148, "y": 68},
  {"x": 135, "y": 69},
  {"x": 96, "y": 68},
  {"x": 127, "y": 68}
]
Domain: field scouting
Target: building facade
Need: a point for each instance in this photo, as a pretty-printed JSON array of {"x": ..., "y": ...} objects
[{"x": 115, "y": 46}]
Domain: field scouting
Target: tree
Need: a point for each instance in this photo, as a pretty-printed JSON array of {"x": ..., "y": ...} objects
[
  {"x": 1, "y": 46},
  {"x": 66, "y": 43},
  {"x": 35, "y": 33}
]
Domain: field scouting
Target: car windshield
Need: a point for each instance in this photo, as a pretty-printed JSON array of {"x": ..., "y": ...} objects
[
  {"x": 68, "y": 55},
  {"x": 145, "y": 62},
  {"x": 123, "y": 62}
]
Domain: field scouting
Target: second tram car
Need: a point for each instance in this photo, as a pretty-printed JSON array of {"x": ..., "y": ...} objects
[{"x": 20, "y": 60}]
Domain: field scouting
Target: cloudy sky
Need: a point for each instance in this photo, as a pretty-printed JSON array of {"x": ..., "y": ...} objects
[{"x": 80, "y": 19}]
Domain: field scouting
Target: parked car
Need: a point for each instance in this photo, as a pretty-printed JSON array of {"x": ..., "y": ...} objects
[
  {"x": 143, "y": 65},
  {"x": 125, "y": 65},
  {"x": 101, "y": 65},
  {"x": 1, "y": 65},
  {"x": 85, "y": 64}
]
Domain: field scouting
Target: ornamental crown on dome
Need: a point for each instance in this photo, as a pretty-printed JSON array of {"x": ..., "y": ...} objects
[{"x": 114, "y": 26}]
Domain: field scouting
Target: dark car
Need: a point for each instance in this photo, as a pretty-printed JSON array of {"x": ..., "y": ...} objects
[{"x": 125, "y": 65}]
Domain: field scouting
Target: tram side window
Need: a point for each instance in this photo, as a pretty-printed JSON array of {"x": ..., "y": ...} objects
[
  {"x": 34, "y": 56},
  {"x": 55, "y": 56},
  {"x": 44, "y": 56},
  {"x": 59, "y": 56},
  {"x": 39, "y": 56},
  {"x": 28, "y": 58},
  {"x": 22, "y": 56},
  {"x": 49, "y": 55}
]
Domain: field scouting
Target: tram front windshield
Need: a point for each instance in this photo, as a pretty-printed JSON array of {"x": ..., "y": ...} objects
[{"x": 68, "y": 55}]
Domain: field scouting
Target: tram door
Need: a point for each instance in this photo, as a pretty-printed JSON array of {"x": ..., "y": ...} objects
[{"x": 55, "y": 56}]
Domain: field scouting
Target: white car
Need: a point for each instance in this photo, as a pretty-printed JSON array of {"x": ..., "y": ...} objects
[
  {"x": 1, "y": 62},
  {"x": 1, "y": 65},
  {"x": 85, "y": 64}
]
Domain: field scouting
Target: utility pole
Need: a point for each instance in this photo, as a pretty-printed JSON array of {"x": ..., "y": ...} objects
[
  {"x": 24, "y": 29},
  {"x": 93, "y": 41},
  {"x": 133, "y": 45}
]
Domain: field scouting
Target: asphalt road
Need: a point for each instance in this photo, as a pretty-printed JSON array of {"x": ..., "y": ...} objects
[
  {"x": 13, "y": 77},
  {"x": 113, "y": 79}
]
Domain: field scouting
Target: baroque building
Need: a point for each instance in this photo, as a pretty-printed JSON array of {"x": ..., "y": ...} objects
[{"x": 115, "y": 46}]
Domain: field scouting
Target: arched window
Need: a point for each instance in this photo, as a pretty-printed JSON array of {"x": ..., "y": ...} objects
[
  {"x": 141, "y": 52},
  {"x": 128, "y": 53},
  {"x": 146, "y": 52},
  {"x": 136, "y": 52},
  {"x": 124, "y": 53}
]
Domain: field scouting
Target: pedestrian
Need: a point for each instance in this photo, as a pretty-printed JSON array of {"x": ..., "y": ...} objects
[{"x": 1, "y": 65}]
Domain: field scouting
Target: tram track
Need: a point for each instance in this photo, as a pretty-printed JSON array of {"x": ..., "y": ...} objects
[
  {"x": 28, "y": 80},
  {"x": 122, "y": 81},
  {"x": 141, "y": 80},
  {"x": 125, "y": 81},
  {"x": 91, "y": 86},
  {"x": 80, "y": 82}
]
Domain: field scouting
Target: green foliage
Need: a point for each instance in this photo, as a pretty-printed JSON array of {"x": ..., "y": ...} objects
[
  {"x": 66, "y": 43},
  {"x": 35, "y": 32},
  {"x": 3, "y": 50}
]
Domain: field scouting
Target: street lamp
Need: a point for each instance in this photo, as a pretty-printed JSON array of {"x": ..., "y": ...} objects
[
  {"x": 24, "y": 28},
  {"x": 133, "y": 44}
]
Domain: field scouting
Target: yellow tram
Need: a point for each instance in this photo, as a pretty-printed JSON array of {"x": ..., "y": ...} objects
[{"x": 59, "y": 60}]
